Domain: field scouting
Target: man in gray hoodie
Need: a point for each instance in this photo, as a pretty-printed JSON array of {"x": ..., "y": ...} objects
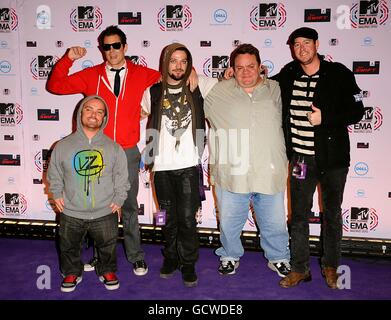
[{"x": 88, "y": 178}]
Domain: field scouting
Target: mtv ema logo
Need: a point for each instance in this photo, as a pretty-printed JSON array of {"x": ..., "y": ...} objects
[
  {"x": 369, "y": 14},
  {"x": 215, "y": 66},
  {"x": 140, "y": 60},
  {"x": 41, "y": 66},
  {"x": 174, "y": 18},
  {"x": 12, "y": 204},
  {"x": 11, "y": 114},
  {"x": 41, "y": 160},
  {"x": 268, "y": 16},
  {"x": 8, "y": 19},
  {"x": 371, "y": 121},
  {"x": 361, "y": 220},
  {"x": 86, "y": 18}
]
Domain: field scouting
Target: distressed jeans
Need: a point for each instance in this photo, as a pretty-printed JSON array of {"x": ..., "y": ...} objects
[{"x": 177, "y": 192}]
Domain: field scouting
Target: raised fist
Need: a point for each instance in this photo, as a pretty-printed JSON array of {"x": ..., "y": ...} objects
[{"x": 75, "y": 53}]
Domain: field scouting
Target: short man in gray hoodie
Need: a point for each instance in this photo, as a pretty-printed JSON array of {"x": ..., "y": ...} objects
[{"x": 88, "y": 178}]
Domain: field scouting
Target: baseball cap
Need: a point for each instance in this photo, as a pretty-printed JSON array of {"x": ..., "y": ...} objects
[{"x": 303, "y": 32}]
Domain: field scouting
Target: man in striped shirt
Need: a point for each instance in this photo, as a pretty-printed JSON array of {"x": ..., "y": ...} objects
[{"x": 320, "y": 100}]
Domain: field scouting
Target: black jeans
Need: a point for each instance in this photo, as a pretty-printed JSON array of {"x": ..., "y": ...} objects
[
  {"x": 104, "y": 232},
  {"x": 177, "y": 192},
  {"x": 332, "y": 183}
]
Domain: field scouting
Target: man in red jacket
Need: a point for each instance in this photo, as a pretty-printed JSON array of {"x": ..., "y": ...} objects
[{"x": 121, "y": 84}]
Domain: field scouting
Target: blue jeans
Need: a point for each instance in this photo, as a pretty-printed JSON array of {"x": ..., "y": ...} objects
[
  {"x": 332, "y": 183},
  {"x": 270, "y": 218}
]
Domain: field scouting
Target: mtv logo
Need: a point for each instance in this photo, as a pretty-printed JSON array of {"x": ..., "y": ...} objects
[
  {"x": 11, "y": 199},
  {"x": 333, "y": 42},
  {"x": 45, "y": 61},
  {"x": 361, "y": 214},
  {"x": 4, "y": 14},
  {"x": 135, "y": 59},
  {"x": 85, "y": 13},
  {"x": 268, "y": 10},
  {"x": 368, "y": 114},
  {"x": 220, "y": 62},
  {"x": 7, "y": 109},
  {"x": 174, "y": 12},
  {"x": 369, "y": 7}
]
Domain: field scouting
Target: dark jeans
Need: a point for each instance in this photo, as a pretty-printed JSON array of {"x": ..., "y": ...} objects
[
  {"x": 177, "y": 192},
  {"x": 332, "y": 185},
  {"x": 131, "y": 229},
  {"x": 104, "y": 232}
]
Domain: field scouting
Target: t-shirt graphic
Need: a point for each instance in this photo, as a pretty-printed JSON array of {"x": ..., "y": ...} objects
[{"x": 176, "y": 117}]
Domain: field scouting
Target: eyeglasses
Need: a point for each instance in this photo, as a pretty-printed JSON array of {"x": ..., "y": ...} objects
[{"x": 115, "y": 45}]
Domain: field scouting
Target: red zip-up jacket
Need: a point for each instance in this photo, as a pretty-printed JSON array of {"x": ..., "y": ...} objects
[{"x": 124, "y": 120}]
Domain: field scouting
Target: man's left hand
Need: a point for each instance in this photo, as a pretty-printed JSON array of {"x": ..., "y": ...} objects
[{"x": 315, "y": 117}]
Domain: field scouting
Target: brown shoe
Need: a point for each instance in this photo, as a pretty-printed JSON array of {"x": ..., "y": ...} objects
[
  {"x": 294, "y": 278},
  {"x": 330, "y": 274}
]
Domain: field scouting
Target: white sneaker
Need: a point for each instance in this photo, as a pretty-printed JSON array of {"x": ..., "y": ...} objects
[{"x": 90, "y": 266}]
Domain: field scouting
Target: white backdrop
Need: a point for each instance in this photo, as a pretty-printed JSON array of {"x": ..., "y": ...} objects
[{"x": 33, "y": 35}]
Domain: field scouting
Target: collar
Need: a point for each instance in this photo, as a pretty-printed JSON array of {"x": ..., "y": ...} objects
[{"x": 109, "y": 67}]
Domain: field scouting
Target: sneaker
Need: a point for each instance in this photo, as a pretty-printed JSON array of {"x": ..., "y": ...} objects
[
  {"x": 90, "y": 266},
  {"x": 282, "y": 268},
  {"x": 110, "y": 281},
  {"x": 168, "y": 268},
  {"x": 189, "y": 275},
  {"x": 228, "y": 266},
  {"x": 140, "y": 268},
  {"x": 69, "y": 283}
]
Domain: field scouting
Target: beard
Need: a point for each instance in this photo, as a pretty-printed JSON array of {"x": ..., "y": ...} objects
[{"x": 177, "y": 78}]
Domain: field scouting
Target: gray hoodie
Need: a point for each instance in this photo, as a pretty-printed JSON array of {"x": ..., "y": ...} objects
[{"x": 88, "y": 175}]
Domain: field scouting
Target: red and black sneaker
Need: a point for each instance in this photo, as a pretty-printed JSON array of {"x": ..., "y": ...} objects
[
  {"x": 69, "y": 283},
  {"x": 110, "y": 281}
]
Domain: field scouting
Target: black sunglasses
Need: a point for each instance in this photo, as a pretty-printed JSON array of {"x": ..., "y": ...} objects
[{"x": 115, "y": 45}]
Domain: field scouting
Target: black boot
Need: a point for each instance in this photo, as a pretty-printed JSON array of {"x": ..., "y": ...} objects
[
  {"x": 168, "y": 268},
  {"x": 189, "y": 275}
]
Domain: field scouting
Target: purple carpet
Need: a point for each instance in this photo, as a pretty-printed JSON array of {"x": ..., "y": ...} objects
[{"x": 23, "y": 261}]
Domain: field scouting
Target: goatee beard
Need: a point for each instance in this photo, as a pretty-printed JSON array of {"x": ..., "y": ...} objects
[{"x": 174, "y": 77}]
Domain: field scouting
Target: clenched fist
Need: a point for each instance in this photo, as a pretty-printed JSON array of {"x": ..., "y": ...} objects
[{"x": 75, "y": 53}]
